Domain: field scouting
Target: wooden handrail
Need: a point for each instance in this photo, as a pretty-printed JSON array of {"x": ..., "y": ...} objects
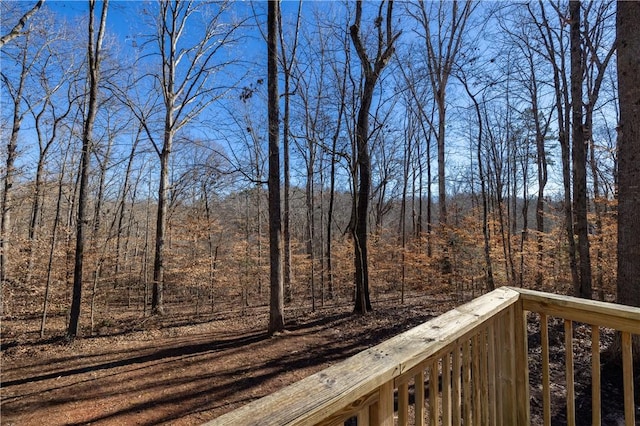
[
  {"x": 625, "y": 319},
  {"x": 472, "y": 360},
  {"x": 604, "y": 314},
  {"x": 343, "y": 389}
]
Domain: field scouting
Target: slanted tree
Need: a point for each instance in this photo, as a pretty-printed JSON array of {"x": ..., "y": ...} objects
[
  {"x": 371, "y": 69},
  {"x": 16, "y": 31}
]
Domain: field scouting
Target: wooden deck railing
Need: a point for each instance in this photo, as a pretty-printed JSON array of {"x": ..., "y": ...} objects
[{"x": 469, "y": 365}]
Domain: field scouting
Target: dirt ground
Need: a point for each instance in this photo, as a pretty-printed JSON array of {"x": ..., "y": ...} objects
[
  {"x": 185, "y": 370},
  {"x": 178, "y": 371}
]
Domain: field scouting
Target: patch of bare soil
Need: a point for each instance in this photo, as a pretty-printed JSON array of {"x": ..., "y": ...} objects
[{"x": 178, "y": 371}]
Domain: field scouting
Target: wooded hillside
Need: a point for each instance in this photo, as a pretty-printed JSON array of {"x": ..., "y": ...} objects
[{"x": 483, "y": 172}]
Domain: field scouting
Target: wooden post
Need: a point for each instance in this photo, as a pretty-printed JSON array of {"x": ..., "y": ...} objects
[
  {"x": 363, "y": 417},
  {"x": 484, "y": 383},
  {"x": 477, "y": 390}
]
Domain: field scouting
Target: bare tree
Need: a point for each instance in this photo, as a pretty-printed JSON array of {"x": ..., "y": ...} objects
[
  {"x": 598, "y": 52},
  {"x": 287, "y": 66},
  {"x": 94, "y": 58},
  {"x": 26, "y": 56},
  {"x": 554, "y": 51},
  {"x": 16, "y": 31},
  {"x": 579, "y": 153},
  {"x": 187, "y": 68},
  {"x": 443, "y": 35},
  {"x": 488, "y": 265},
  {"x": 276, "y": 299},
  {"x": 49, "y": 112},
  {"x": 371, "y": 68}
]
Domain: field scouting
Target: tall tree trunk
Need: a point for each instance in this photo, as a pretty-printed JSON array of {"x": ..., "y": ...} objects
[
  {"x": 288, "y": 291},
  {"x": 557, "y": 61},
  {"x": 593, "y": 41},
  {"x": 94, "y": 58},
  {"x": 157, "y": 289},
  {"x": 406, "y": 160},
  {"x": 488, "y": 269},
  {"x": 332, "y": 179},
  {"x": 276, "y": 299},
  {"x": 541, "y": 161},
  {"x": 371, "y": 73},
  {"x": 122, "y": 207},
  {"x": 310, "y": 226},
  {"x": 628, "y": 268},
  {"x": 579, "y": 155},
  {"x": 628, "y": 35},
  {"x": 287, "y": 66}
]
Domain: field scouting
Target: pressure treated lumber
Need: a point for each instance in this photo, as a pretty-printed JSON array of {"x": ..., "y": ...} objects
[{"x": 319, "y": 396}]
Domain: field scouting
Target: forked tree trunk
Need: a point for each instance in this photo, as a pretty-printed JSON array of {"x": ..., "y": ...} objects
[
  {"x": 94, "y": 58},
  {"x": 371, "y": 71}
]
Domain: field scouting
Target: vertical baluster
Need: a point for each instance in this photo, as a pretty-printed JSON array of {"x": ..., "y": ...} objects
[
  {"x": 466, "y": 381},
  {"x": 475, "y": 378},
  {"x": 446, "y": 390},
  {"x": 521, "y": 364},
  {"x": 418, "y": 385},
  {"x": 500, "y": 370},
  {"x": 510, "y": 366},
  {"x": 627, "y": 372},
  {"x": 571, "y": 400},
  {"x": 596, "y": 406},
  {"x": 403, "y": 404},
  {"x": 484, "y": 385},
  {"x": 362, "y": 417},
  {"x": 546, "y": 383},
  {"x": 381, "y": 412},
  {"x": 433, "y": 393},
  {"x": 456, "y": 401},
  {"x": 491, "y": 363}
]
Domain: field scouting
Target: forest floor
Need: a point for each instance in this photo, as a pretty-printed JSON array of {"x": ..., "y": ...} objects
[{"x": 185, "y": 370}]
